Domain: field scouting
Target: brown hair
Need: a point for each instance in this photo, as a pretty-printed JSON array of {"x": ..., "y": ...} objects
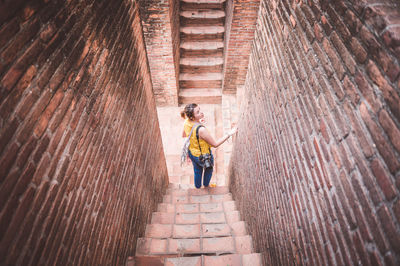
[{"x": 189, "y": 111}]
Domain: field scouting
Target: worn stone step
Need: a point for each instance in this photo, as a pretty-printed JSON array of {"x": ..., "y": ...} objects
[
  {"x": 207, "y": 76},
  {"x": 210, "y": 61},
  {"x": 200, "y": 95},
  {"x": 204, "y": 1},
  {"x": 204, "y": 14},
  {"x": 188, "y": 246},
  {"x": 195, "y": 191},
  {"x": 192, "y": 207},
  {"x": 198, "y": 92},
  {"x": 202, "y": 45},
  {"x": 253, "y": 259},
  {"x": 196, "y": 229},
  {"x": 197, "y": 199},
  {"x": 202, "y": 29}
]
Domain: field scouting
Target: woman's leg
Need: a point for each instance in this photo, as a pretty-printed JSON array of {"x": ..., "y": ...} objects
[
  {"x": 198, "y": 170},
  {"x": 208, "y": 173}
]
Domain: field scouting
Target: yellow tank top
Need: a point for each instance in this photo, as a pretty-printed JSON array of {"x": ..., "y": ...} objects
[{"x": 194, "y": 145}]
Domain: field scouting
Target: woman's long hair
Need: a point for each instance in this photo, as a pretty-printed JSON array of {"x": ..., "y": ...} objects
[{"x": 188, "y": 111}]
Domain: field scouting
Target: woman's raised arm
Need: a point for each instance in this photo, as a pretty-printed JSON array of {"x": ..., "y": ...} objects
[{"x": 203, "y": 134}]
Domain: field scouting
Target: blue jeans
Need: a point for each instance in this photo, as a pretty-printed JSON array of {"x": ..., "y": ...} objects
[{"x": 198, "y": 171}]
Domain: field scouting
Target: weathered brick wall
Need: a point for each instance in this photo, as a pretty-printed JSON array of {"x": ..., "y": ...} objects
[
  {"x": 240, "y": 26},
  {"x": 315, "y": 167},
  {"x": 81, "y": 160},
  {"x": 160, "y": 21}
]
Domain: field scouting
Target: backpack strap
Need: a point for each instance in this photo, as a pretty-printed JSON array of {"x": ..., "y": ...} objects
[
  {"x": 192, "y": 130},
  {"x": 197, "y": 136}
]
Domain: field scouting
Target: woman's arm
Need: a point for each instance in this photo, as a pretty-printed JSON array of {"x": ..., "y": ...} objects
[
  {"x": 203, "y": 134},
  {"x": 183, "y": 134}
]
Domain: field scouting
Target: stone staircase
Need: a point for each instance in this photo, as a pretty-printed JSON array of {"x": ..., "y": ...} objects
[
  {"x": 196, "y": 227},
  {"x": 202, "y": 33}
]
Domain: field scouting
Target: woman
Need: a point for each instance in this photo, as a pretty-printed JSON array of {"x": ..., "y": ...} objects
[{"x": 194, "y": 117}]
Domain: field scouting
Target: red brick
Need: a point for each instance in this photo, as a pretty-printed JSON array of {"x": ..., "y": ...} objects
[
  {"x": 220, "y": 244},
  {"x": 389, "y": 227},
  {"x": 380, "y": 142},
  {"x": 48, "y": 32},
  {"x": 396, "y": 209},
  {"x": 7, "y": 31},
  {"x": 233, "y": 260},
  {"x": 41, "y": 170},
  {"x": 324, "y": 61},
  {"x": 35, "y": 113},
  {"x": 184, "y": 246},
  {"x": 186, "y": 231},
  {"x": 358, "y": 50},
  {"x": 48, "y": 113},
  {"x": 326, "y": 25},
  {"x": 391, "y": 37},
  {"x": 26, "y": 151},
  {"x": 18, "y": 217},
  {"x": 344, "y": 53},
  {"x": 195, "y": 261},
  {"x": 362, "y": 253},
  {"x": 351, "y": 90},
  {"x": 352, "y": 22},
  {"x": 8, "y": 159},
  {"x": 390, "y": 128},
  {"x": 23, "y": 36},
  {"x": 365, "y": 143},
  {"x": 367, "y": 91},
  {"x": 383, "y": 179},
  {"x": 337, "y": 65},
  {"x": 243, "y": 244}
]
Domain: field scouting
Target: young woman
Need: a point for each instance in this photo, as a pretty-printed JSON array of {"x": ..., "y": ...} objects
[{"x": 193, "y": 117}]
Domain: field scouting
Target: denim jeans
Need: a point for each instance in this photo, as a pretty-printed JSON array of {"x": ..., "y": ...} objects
[{"x": 198, "y": 171}]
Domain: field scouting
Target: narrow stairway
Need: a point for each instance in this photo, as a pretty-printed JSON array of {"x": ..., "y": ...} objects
[{"x": 196, "y": 227}]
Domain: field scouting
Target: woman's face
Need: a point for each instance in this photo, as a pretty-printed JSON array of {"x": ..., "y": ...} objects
[{"x": 197, "y": 113}]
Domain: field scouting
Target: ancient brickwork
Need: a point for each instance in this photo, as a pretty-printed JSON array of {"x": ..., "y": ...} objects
[
  {"x": 241, "y": 19},
  {"x": 316, "y": 169},
  {"x": 82, "y": 165},
  {"x": 160, "y": 21}
]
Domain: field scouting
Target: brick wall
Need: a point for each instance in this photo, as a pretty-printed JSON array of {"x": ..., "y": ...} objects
[
  {"x": 160, "y": 21},
  {"x": 81, "y": 161},
  {"x": 240, "y": 24},
  {"x": 315, "y": 168}
]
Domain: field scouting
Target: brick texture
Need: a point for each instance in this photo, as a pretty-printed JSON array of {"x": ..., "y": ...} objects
[
  {"x": 240, "y": 23},
  {"x": 82, "y": 165},
  {"x": 160, "y": 21},
  {"x": 315, "y": 165}
]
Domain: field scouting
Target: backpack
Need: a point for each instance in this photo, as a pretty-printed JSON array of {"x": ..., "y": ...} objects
[{"x": 186, "y": 144}]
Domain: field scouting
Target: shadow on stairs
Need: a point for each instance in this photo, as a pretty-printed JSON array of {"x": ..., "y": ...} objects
[{"x": 196, "y": 227}]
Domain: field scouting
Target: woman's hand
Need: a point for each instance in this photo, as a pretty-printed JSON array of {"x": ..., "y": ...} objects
[{"x": 232, "y": 131}]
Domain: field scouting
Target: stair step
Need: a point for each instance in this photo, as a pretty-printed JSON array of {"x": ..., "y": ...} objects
[
  {"x": 197, "y": 92},
  {"x": 197, "y": 199},
  {"x": 200, "y": 95},
  {"x": 202, "y": 29},
  {"x": 196, "y": 191},
  {"x": 203, "y": 14},
  {"x": 195, "y": 230},
  {"x": 187, "y": 246},
  {"x": 207, "y": 76},
  {"x": 193, "y": 207},
  {"x": 201, "y": 45},
  {"x": 196, "y": 227},
  {"x": 253, "y": 259},
  {"x": 214, "y": 61},
  {"x": 204, "y": 1}
]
